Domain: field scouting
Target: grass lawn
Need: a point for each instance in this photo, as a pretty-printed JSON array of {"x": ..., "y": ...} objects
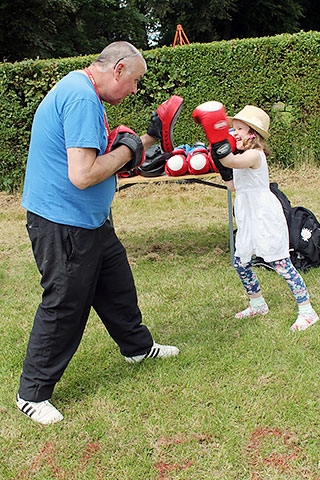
[{"x": 240, "y": 402}]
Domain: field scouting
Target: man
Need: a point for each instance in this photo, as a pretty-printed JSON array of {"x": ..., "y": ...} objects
[{"x": 69, "y": 186}]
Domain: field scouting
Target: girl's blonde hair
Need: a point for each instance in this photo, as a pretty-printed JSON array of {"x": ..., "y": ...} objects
[{"x": 256, "y": 141}]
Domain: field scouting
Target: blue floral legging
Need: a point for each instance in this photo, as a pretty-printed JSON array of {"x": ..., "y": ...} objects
[{"x": 283, "y": 267}]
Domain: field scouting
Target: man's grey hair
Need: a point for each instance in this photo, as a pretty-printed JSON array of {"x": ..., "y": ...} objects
[{"x": 115, "y": 52}]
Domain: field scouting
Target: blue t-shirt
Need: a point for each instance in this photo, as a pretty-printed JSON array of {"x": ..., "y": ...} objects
[{"x": 71, "y": 115}]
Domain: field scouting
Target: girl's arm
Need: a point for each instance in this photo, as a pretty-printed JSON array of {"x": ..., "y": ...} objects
[{"x": 248, "y": 159}]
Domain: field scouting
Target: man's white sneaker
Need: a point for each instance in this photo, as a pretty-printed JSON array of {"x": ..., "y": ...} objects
[
  {"x": 157, "y": 351},
  {"x": 41, "y": 412}
]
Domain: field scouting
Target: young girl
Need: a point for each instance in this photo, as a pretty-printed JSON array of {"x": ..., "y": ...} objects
[{"x": 261, "y": 225}]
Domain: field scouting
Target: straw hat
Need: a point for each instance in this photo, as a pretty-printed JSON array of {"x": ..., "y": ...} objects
[{"x": 256, "y": 118}]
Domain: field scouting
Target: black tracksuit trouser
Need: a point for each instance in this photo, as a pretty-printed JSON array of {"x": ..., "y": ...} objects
[{"x": 79, "y": 269}]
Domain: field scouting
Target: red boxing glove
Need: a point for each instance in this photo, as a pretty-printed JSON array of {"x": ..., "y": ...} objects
[
  {"x": 199, "y": 163},
  {"x": 176, "y": 165},
  {"x": 123, "y": 135},
  {"x": 199, "y": 159},
  {"x": 230, "y": 144},
  {"x": 232, "y": 141},
  {"x": 213, "y": 119}
]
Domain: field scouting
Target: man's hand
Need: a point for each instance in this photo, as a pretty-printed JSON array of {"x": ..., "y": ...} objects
[{"x": 123, "y": 135}]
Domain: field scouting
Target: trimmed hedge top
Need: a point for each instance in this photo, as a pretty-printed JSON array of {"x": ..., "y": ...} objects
[{"x": 280, "y": 74}]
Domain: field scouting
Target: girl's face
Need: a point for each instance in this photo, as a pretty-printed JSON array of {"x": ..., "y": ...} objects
[{"x": 241, "y": 131}]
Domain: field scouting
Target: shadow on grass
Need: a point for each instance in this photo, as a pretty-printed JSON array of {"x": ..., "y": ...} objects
[{"x": 185, "y": 242}]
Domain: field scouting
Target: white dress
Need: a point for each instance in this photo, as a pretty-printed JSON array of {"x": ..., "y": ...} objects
[{"x": 261, "y": 225}]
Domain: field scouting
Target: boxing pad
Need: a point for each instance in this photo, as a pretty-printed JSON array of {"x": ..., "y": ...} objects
[
  {"x": 154, "y": 163},
  {"x": 163, "y": 121},
  {"x": 123, "y": 135}
]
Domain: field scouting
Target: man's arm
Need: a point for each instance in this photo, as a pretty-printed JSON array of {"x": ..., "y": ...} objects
[{"x": 85, "y": 168}]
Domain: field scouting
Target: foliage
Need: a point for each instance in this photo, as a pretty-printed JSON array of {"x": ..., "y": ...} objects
[
  {"x": 22, "y": 87},
  {"x": 259, "y": 18},
  {"x": 202, "y": 21},
  {"x": 277, "y": 73},
  {"x": 63, "y": 28},
  {"x": 214, "y": 20}
]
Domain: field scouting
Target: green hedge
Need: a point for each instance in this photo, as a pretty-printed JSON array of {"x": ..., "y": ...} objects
[{"x": 281, "y": 74}]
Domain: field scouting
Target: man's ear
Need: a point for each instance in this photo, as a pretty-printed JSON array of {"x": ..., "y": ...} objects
[{"x": 119, "y": 68}]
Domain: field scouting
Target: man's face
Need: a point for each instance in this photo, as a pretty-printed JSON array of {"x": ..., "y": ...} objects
[{"x": 126, "y": 76}]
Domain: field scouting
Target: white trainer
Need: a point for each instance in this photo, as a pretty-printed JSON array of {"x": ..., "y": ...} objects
[
  {"x": 157, "y": 351},
  {"x": 40, "y": 412},
  {"x": 251, "y": 312},
  {"x": 304, "y": 321}
]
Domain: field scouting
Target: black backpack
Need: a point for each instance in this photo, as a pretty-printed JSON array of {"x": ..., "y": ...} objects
[
  {"x": 285, "y": 202},
  {"x": 304, "y": 235},
  {"x": 304, "y": 232}
]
